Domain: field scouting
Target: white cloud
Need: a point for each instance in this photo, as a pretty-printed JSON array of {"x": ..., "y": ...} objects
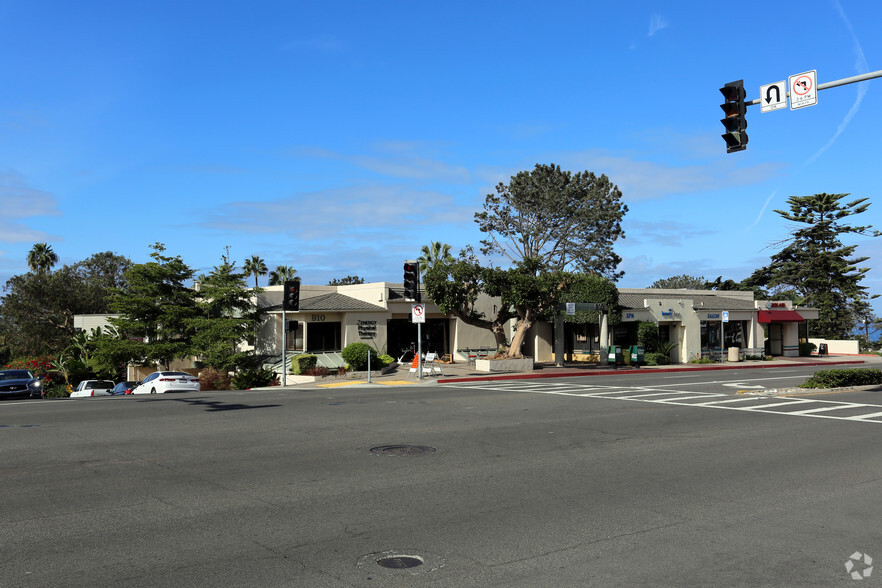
[
  {"x": 19, "y": 201},
  {"x": 397, "y": 159},
  {"x": 343, "y": 213},
  {"x": 648, "y": 180},
  {"x": 656, "y": 23}
]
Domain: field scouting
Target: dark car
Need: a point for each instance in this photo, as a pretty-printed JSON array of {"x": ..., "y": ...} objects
[
  {"x": 20, "y": 384},
  {"x": 123, "y": 388}
]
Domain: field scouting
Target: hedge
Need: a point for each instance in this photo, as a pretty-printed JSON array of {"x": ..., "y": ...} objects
[
  {"x": 302, "y": 363},
  {"x": 844, "y": 378}
]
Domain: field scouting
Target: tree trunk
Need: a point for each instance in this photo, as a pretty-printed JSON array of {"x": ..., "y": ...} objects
[{"x": 517, "y": 341}]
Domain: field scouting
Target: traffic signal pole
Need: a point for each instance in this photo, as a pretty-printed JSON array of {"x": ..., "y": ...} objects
[
  {"x": 735, "y": 103},
  {"x": 834, "y": 84}
]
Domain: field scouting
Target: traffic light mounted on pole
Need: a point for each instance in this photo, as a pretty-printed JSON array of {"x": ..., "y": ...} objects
[
  {"x": 291, "y": 298},
  {"x": 735, "y": 119},
  {"x": 412, "y": 280}
]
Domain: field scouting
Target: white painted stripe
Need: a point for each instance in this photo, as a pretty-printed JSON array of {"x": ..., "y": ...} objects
[
  {"x": 874, "y": 415},
  {"x": 654, "y": 394},
  {"x": 770, "y": 405},
  {"x": 825, "y": 409},
  {"x": 686, "y": 396},
  {"x": 743, "y": 399}
]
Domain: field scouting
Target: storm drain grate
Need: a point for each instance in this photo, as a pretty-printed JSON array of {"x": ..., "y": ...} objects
[
  {"x": 400, "y": 562},
  {"x": 402, "y": 450}
]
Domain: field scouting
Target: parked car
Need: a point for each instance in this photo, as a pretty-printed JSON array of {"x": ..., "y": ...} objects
[
  {"x": 20, "y": 384},
  {"x": 162, "y": 382},
  {"x": 89, "y": 388},
  {"x": 123, "y": 388}
]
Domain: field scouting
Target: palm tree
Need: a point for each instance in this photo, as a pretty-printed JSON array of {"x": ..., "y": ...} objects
[
  {"x": 432, "y": 254},
  {"x": 41, "y": 258},
  {"x": 255, "y": 266},
  {"x": 278, "y": 276}
]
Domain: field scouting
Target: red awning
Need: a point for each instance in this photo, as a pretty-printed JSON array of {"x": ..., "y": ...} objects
[{"x": 779, "y": 316}]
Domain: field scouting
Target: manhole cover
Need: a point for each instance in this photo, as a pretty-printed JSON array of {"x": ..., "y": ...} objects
[
  {"x": 400, "y": 562},
  {"x": 402, "y": 450}
]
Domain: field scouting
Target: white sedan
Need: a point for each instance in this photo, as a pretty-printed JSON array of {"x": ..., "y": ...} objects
[
  {"x": 90, "y": 388},
  {"x": 162, "y": 382}
]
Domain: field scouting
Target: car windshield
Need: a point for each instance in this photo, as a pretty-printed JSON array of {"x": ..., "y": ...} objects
[
  {"x": 175, "y": 374},
  {"x": 16, "y": 375}
]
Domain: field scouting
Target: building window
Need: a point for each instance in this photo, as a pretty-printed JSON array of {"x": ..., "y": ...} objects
[
  {"x": 294, "y": 336},
  {"x": 323, "y": 337}
]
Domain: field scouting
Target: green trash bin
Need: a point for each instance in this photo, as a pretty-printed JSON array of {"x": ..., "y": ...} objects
[
  {"x": 638, "y": 354},
  {"x": 614, "y": 356}
]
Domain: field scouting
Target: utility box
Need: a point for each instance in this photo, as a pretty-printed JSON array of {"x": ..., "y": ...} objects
[{"x": 638, "y": 355}]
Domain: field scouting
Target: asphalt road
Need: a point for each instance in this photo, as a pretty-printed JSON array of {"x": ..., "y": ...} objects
[{"x": 630, "y": 481}]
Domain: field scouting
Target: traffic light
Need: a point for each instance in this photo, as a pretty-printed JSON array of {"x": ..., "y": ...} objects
[
  {"x": 735, "y": 120},
  {"x": 412, "y": 280},
  {"x": 291, "y": 299}
]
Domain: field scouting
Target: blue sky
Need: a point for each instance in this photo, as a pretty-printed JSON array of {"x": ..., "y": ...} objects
[{"x": 339, "y": 137}]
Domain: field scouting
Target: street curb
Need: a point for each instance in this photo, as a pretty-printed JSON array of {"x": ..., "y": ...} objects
[{"x": 608, "y": 372}]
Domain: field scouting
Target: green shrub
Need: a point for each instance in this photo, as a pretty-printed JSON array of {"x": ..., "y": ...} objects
[
  {"x": 806, "y": 349},
  {"x": 657, "y": 359},
  {"x": 213, "y": 379},
  {"x": 302, "y": 363},
  {"x": 356, "y": 355},
  {"x": 647, "y": 335},
  {"x": 701, "y": 360},
  {"x": 844, "y": 378},
  {"x": 55, "y": 390},
  {"x": 253, "y": 378},
  {"x": 385, "y": 360}
]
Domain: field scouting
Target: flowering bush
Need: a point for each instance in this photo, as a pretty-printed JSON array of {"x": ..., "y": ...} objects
[{"x": 41, "y": 367}]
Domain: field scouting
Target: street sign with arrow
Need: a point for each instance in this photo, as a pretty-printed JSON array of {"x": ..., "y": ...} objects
[{"x": 773, "y": 96}]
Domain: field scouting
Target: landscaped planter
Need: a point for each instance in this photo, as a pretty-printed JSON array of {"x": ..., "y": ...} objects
[{"x": 517, "y": 364}]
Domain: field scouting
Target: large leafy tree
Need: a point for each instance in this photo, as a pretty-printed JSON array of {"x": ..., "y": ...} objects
[
  {"x": 682, "y": 281},
  {"x": 562, "y": 220},
  {"x": 157, "y": 309},
  {"x": 38, "y": 308},
  {"x": 815, "y": 264},
  {"x": 548, "y": 223},
  {"x": 456, "y": 286},
  {"x": 226, "y": 317},
  {"x": 41, "y": 258}
]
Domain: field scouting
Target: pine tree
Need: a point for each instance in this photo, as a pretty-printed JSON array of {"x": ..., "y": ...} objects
[{"x": 816, "y": 265}]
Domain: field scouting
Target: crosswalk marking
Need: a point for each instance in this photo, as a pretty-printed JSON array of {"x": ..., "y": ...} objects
[{"x": 823, "y": 409}]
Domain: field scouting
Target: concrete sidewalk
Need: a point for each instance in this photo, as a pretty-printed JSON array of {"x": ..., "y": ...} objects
[{"x": 463, "y": 372}]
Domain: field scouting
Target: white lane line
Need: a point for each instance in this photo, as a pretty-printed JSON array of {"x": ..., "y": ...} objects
[
  {"x": 827, "y": 408},
  {"x": 724, "y": 382},
  {"x": 644, "y": 395},
  {"x": 741, "y": 399},
  {"x": 874, "y": 415}
]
